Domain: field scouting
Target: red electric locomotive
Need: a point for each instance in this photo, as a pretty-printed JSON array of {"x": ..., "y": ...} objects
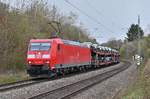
[{"x": 46, "y": 56}]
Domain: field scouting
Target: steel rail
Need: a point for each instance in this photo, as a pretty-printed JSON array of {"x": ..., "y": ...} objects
[{"x": 20, "y": 84}]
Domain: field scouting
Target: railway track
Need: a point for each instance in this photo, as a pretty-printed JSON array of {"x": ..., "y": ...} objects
[
  {"x": 20, "y": 84},
  {"x": 25, "y": 83},
  {"x": 68, "y": 91}
]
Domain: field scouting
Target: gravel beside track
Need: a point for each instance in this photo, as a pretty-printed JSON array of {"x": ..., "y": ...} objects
[
  {"x": 110, "y": 88},
  {"x": 26, "y": 92}
]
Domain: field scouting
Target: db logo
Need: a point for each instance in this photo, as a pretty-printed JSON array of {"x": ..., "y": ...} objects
[{"x": 38, "y": 55}]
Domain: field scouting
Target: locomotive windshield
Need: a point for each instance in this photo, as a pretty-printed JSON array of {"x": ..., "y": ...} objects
[{"x": 40, "y": 46}]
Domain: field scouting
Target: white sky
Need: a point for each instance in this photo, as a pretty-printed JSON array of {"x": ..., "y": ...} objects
[{"x": 115, "y": 15}]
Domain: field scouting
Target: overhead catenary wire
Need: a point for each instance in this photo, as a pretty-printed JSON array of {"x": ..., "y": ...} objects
[{"x": 90, "y": 17}]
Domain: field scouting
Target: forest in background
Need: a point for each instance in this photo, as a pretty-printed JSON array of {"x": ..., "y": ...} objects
[{"x": 30, "y": 20}]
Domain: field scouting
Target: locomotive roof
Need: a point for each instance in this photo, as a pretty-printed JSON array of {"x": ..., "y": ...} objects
[
  {"x": 74, "y": 43},
  {"x": 71, "y": 42},
  {"x": 58, "y": 40},
  {"x": 40, "y": 40}
]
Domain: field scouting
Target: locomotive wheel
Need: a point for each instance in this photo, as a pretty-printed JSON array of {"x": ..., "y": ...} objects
[
  {"x": 80, "y": 68},
  {"x": 52, "y": 74}
]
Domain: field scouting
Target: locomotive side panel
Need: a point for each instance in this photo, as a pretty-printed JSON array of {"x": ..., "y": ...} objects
[
  {"x": 84, "y": 55},
  {"x": 71, "y": 55}
]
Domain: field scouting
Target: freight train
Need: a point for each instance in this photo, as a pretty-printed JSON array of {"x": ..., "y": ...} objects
[{"x": 59, "y": 56}]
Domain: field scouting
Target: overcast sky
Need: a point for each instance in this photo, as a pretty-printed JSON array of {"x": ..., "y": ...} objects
[
  {"x": 114, "y": 15},
  {"x": 111, "y": 18}
]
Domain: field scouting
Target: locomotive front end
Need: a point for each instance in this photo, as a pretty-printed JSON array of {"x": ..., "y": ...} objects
[{"x": 38, "y": 57}]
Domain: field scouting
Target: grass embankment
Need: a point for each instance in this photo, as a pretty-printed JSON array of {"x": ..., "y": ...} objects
[
  {"x": 9, "y": 77},
  {"x": 141, "y": 88}
]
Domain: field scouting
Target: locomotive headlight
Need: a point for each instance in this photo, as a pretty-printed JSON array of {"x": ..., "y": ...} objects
[
  {"x": 29, "y": 62},
  {"x": 46, "y": 56},
  {"x": 31, "y": 56}
]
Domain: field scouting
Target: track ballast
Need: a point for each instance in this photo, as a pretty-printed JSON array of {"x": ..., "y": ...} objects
[{"x": 70, "y": 90}]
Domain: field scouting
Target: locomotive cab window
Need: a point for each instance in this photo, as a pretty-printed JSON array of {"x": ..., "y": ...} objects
[{"x": 40, "y": 46}]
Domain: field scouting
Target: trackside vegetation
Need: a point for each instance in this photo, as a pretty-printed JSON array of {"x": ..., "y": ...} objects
[{"x": 140, "y": 88}]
